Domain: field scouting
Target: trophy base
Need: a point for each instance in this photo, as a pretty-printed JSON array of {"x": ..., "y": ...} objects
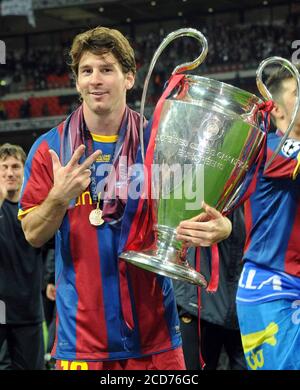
[{"x": 156, "y": 262}]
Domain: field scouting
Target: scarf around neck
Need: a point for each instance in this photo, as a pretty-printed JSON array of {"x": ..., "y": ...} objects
[{"x": 75, "y": 133}]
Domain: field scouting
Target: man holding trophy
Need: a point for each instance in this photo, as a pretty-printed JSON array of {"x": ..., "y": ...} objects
[
  {"x": 111, "y": 314},
  {"x": 268, "y": 297}
]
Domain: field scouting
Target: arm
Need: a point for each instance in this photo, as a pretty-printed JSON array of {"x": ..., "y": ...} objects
[
  {"x": 50, "y": 275},
  {"x": 40, "y": 224},
  {"x": 286, "y": 164},
  {"x": 206, "y": 229},
  {"x": 49, "y": 269}
]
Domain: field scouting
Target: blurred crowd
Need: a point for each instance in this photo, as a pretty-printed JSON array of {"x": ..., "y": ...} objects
[{"x": 231, "y": 48}]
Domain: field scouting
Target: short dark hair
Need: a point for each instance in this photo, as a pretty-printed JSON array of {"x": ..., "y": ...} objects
[
  {"x": 275, "y": 82},
  {"x": 10, "y": 150},
  {"x": 103, "y": 40}
]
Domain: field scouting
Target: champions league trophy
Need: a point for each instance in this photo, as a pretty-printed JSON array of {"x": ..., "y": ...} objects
[{"x": 207, "y": 143}]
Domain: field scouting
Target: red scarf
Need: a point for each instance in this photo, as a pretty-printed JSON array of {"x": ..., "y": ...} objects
[{"x": 74, "y": 134}]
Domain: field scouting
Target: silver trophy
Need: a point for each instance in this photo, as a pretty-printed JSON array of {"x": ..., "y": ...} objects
[{"x": 208, "y": 139}]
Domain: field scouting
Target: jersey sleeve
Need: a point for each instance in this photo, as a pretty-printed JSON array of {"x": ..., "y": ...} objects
[
  {"x": 38, "y": 174},
  {"x": 286, "y": 164}
]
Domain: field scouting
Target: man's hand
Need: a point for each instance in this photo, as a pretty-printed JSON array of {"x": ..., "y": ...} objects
[
  {"x": 51, "y": 292},
  {"x": 206, "y": 229},
  {"x": 68, "y": 182},
  {"x": 71, "y": 180}
]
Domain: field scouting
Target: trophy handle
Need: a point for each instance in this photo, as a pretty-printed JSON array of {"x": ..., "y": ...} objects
[
  {"x": 267, "y": 95},
  {"x": 189, "y": 32}
]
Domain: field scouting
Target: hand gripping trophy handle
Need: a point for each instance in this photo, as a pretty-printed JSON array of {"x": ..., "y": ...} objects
[
  {"x": 183, "y": 32},
  {"x": 266, "y": 94}
]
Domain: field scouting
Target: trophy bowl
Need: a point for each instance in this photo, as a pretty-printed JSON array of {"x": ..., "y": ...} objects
[{"x": 207, "y": 143}]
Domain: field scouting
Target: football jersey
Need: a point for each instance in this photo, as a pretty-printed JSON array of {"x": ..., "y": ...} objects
[
  {"x": 103, "y": 165},
  {"x": 106, "y": 308},
  {"x": 272, "y": 213},
  {"x": 269, "y": 286},
  {"x": 259, "y": 284}
]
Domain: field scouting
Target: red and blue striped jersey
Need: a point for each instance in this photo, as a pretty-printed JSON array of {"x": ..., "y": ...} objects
[
  {"x": 272, "y": 214},
  {"x": 107, "y": 309}
]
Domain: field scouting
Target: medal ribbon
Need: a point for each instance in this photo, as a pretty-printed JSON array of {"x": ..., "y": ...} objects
[{"x": 88, "y": 141}]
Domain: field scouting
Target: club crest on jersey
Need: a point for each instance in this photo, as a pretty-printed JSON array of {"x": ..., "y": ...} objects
[{"x": 290, "y": 147}]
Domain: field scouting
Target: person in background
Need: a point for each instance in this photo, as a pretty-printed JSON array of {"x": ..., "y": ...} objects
[
  {"x": 21, "y": 313},
  {"x": 219, "y": 326},
  {"x": 268, "y": 295},
  {"x": 49, "y": 303}
]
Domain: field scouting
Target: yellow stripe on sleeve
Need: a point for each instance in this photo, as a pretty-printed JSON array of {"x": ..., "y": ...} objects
[{"x": 21, "y": 213}]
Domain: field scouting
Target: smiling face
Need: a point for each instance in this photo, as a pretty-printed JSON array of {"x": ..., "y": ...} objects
[
  {"x": 11, "y": 171},
  {"x": 102, "y": 84}
]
